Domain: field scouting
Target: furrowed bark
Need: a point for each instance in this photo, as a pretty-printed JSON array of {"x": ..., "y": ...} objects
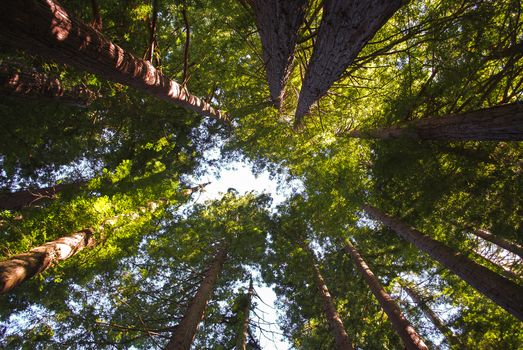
[
  {"x": 45, "y": 28},
  {"x": 500, "y": 123},
  {"x": 450, "y": 337},
  {"x": 21, "y": 267},
  {"x": 278, "y": 22},
  {"x": 402, "y": 326},
  {"x": 26, "y": 198},
  {"x": 241, "y": 344},
  {"x": 346, "y": 26},
  {"x": 499, "y": 241},
  {"x": 184, "y": 333},
  {"x": 499, "y": 289},
  {"x": 26, "y": 84}
]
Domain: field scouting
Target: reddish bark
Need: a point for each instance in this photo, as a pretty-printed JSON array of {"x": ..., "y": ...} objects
[
  {"x": 499, "y": 241},
  {"x": 499, "y": 289},
  {"x": 402, "y": 326},
  {"x": 278, "y": 22},
  {"x": 45, "y": 28},
  {"x": 346, "y": 26},
  {"x": 21, "y": 267},
  {"x": 241, "y": 344},
  {"x": 185, "y": 331},
  {"x": 500, "y": 123},
  {"x": 26, "y": 198}
]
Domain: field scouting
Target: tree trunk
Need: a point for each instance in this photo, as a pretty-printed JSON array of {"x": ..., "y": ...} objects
[
  {"x": 44, "y": 27},
  {"x": 278, "y": 22},
  {"x": 450, "y": 337},
  {"x": 241, "y": 344},
  {"x": 26, "y": 198},
  {"x": 341, "y": 337},
  {"x": 21, "y": 267},
  {"x": 499, "y": 241},
  {"x": 500, "y": 123},
  {"x": 185, "y": 331},
  {"x": 97, "y": 18},
  {"x": 33, "y": 85},
  {"x": 404, "y": 329},
  {"x": 499, "y": 289},
  {"x": 346, "y": 26}
]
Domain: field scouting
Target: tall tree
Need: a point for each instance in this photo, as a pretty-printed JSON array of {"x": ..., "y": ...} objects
[
  {"x": 500, "y": 241},
  {"x": 278, "y": 22},
  {"x": 345, "y": 28},
  {"x": 56, "y": 34},
  {"x": 407, "y": 333},
  {"x": 499, "y": 289},
  {"x": 25, "y": 198},
  {"x": 243, "y": 330}
]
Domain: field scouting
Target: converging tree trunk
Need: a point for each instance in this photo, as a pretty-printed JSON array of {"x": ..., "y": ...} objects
[
  {"x": 499, "y": 241},
  {"x": 45, "y": 28},
  {"x": 278, "y": 22},
  {"x": 402, "y": 326},
  {"x": 25, "y": 198},
  {"x": 21, "y": 267},
  {"x": 499, "y": 289},
  {"x": 500, "y": 123},
  {"x": 33, "y": 85},
  {"x": 241, "y": 343},
  {"x": 185, "y": 331},
  {"x": 346, "y": 26},
  {"x": 450, "y": 337}
]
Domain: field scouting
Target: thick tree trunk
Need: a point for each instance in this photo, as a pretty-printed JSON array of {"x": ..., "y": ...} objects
[
  {"x": 500, "y": 123},
  {"x": 346, "y": 26},
  {"x": 278, "y": 22},
  {"x": 499, "y": 289},
  {"x": 450, "y": 337},
  {"x": 499, "y": 241},
  {"x": 21, "y": 267},
  {"x": 33, "y": 85},
  {"x": 185, "y": 331},
  {"x": 402, "y": 326},
  {"x": 26, "y": 198},
  {"x": 241, "y": 343},
  {"x": 44, "y": 27}
]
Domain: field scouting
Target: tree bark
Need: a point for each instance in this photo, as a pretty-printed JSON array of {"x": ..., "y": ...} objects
[
  {"x": 33, "y": 85},
  {"x": 45, "y": 28},
  {"x": 450, "y": 337},
  {"x": 499, "y": 241},
  {"x": 241, "y": 344},
  {"x": 184, "y": 333},
  {"x": 346, "y": 26},
  {"x": 278, "y": 22},
  {"x": 341, "y": 338},
  {"x": 499, "y": 289},
  {"x": 97, "y": 18},
  {"x": 402, "y": 326},
  {"x": 21, "y": 267},
  {"x": 152, "y": 31},
  {"x": 500, "y": 123},
  {"x": 26, "y": 198}
]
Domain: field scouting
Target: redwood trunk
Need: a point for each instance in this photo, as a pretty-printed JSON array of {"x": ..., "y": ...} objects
[
  {"x": 500, "y": 123},
  {"x": 21, "y": 267},
  {"x": 404, "y": 329},
  {"x": 499, "y": 241},
  {"x": 499, "y": 289},
  {"x": 278, "y": 22},
  {"x": 184, "y": 333},
  {"x": 244, "y": 330},
  {"x": 25, "y": 198},
  {"x": 44, "y": 27},
  {"x": 450, "y": 337},
  {"x": 33, "y": 85},
  {"x": 346, "y": 26}
]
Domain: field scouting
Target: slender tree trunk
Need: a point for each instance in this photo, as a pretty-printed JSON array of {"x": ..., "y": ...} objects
[
  {"x": 97, "y": 18},
  {"x": 450, "y": 337},
  {"x": 341, "y": 337},
  {"x": 21, "y": 267},
  {"x": 500, "y": 123},
  {"x": 499, "y": 241},
  {"x": 152, "y": 31},
  {"x": 26, "y": 198},
  {"x": 44, "y": 27},
  {"x": 278, "y": 22},
  {"x": 241, "y": 344},
  {"x": 404, "y": 329},
  {"x": 184, "y": 333},
  {"x": 33, "y": 85},
  {"x": 499, "y": 289},
  {"x": 346, "y": 26}
]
